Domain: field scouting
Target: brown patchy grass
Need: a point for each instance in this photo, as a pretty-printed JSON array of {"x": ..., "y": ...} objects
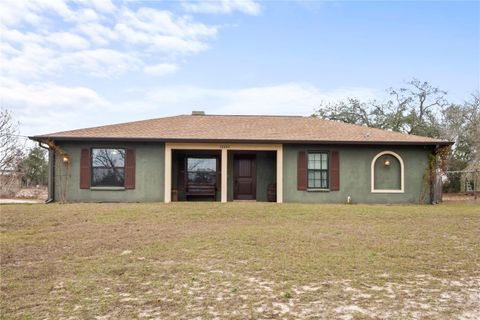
[{"x": 239, "y": 260}]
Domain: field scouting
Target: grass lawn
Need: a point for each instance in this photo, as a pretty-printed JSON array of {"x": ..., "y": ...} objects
[{"x": 240, "y": 260}]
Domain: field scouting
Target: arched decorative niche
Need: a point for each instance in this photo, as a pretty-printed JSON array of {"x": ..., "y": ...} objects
[{"x": 390, "y": 166}]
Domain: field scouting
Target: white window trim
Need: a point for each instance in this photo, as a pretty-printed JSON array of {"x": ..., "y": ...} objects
[{"x": 402, "y": 174}]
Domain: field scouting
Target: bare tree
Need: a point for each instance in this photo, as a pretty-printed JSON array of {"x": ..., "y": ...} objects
[
  {"x": 419, "y": 105},
  {"x": 351, "y": 110},
  {"x": 412, "y": 109},
  {"x": 10, "y": 150},
  {"x": 461, "y": 124},
  {"x": 11, "y": 154}
]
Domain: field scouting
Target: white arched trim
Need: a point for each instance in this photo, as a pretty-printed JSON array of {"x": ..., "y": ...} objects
[{"x": 402, "y": 174}]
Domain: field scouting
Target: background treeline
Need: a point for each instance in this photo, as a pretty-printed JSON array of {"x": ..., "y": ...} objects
[{"x": 421, "y": 109}]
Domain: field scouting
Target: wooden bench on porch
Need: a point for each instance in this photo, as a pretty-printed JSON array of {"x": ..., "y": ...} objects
[{"x": 201, "y": 189}]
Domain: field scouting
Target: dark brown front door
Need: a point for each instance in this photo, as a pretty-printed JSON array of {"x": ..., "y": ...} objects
[{"x": 244, "y": 177}]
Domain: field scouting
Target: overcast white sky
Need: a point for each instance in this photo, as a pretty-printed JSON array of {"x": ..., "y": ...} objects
[{"x": 78, "y": 63}]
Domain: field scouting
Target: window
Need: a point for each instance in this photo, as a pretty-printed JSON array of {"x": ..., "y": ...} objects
[
  {"x": 108, "y": 167},
  {"x": 318, "y": 170},
  {"x": 202, "y": 170}
]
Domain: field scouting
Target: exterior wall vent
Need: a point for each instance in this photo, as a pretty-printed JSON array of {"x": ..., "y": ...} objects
[{"x": 198, "y": 113}]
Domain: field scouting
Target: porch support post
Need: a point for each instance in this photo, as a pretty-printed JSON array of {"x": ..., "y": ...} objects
[
  {"x": 280, "y": 174},
  {"x": 224, "y": 175},
  {"x": 168, "y": 173}
]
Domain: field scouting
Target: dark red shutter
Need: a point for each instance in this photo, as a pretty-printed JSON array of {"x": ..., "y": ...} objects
[
  {"x": 302, "y": 171},
  {"x": 129, "y": 169},
  {"x": 85, "y": 170},
  {"x": 334, "y": 171}
]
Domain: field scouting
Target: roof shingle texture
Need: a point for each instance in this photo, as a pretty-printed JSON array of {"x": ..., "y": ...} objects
[{"x": 242, "y": 128}]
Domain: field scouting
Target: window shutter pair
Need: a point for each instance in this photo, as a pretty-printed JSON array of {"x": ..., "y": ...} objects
[
  {"x": 334, "y": 171},
  {"x": 86, "y": 169}
]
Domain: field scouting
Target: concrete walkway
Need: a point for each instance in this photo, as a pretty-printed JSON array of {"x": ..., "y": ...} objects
[{"x": 19, "y": 201}]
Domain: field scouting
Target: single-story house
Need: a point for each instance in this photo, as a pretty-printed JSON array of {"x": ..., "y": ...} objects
[{"x": 236, "y": 157}]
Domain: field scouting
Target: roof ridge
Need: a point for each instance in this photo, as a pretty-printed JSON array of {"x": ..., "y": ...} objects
[{"x": 246, "y": 115}]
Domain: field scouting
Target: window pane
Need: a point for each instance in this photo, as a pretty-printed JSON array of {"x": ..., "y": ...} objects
[
  {"x": 324, "y": 184},
  {"x": 311, "y": 161},
  {"x": 202, "y": 170},
  {"x": 108, "y": 177},
  {"x": 202, "y": 177},
  {"x": 202, "y": 164},
  {"x": 318, "y": 161},
  {"x": 108, "y": 158},
  {"x": 108, "y": 167},
  {"x": 317, "y": 183},
  {"x": 311, "y": 177},
  {"x": 324, "y": 179}
]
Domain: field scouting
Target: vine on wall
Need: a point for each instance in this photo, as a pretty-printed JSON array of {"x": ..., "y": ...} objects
[{"x": 437, "y": 164}]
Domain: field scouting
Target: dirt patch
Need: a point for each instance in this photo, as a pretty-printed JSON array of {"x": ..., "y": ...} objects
[
  {"x": 468, "y": 198},
  {"x": 40, "y": 193}
]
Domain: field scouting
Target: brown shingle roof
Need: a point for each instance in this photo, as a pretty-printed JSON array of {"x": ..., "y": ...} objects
[{"x": 242, "y": 129}]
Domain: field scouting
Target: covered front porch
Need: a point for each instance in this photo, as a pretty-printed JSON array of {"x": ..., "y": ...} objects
[{"x": 223, "y": 172}]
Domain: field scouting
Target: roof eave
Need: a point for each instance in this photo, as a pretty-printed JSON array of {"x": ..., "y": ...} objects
[{"x": 179, "y": 140}]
